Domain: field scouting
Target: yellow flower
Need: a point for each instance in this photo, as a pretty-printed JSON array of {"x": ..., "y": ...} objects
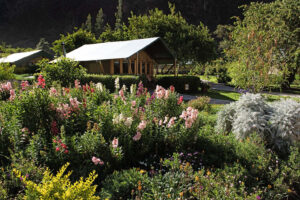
[
  {"x": 142, "y": 171},
  {"x": 181, "y": 194},
  {"x": 169, "y": 195},
  {"x": 139, "y": 187},
  {"x": 196, "y": 178},
  {"x": 269, "y": 186},
  {"x": 208, "y": 173},
  {"x": 289, "y": 191}
]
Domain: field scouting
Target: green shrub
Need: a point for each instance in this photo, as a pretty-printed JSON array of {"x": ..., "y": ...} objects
[
  {"x": 64, "y": 71},
  {"x": 6, "y": 71},
  {"x": 179, "y": 82},
  {"x": 201, "y": 103},
  {"x": 109, "y": 80}
]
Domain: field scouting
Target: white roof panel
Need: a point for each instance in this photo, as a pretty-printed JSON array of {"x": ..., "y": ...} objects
[
  {"x": 109, "y": 50},
  {"x": 17, "y": 56}
]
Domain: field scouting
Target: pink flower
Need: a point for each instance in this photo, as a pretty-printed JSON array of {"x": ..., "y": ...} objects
[
  {"x": 171, "y": 122},
  {"x": 172, "y": 88},
  {"x": 97, "y": 161},
  {"x": 66, "y": 151},
  {"x": 77, "y": 84},
  {"x": 24, "y": 130},
  {"x": 160, "y": 92},
  {"x": 137, "y": 136},
  {"x": 41, "y": 81},
  {"x": 115, "y": 143},
  {"x": 258, "y": 197},
  {"x": 6, "y": 86},
  {"x": 167, "y": 94},
  {"x": 57, "y": 149},
  {"x": 74, "y": 103},
  {"x": 190, "y": 115},
  {"x": 12, "y": 95},
  {"x": 54, "y": 129},
  {"x": 180, "y": 100},
  {"x": 166, "y": 120},
  {"x": 24, "y": 84},
  {"x": 133, "y": 103},
  {"x": 142, "y": 125},
  {"x": 53, "y": 92}
]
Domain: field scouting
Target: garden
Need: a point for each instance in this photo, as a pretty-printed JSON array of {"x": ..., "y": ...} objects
[{"x": 78, "y": 140}]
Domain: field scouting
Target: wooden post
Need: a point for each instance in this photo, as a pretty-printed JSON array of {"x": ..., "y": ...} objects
[
  {"x": 101, "y": 67},
  {"x": 121, "y": 66},
  {"x": 129, "y": 67},
  {"x": 112, "y": 71},
  {"x": 146, "y": 68},
  {"x": 135, "y": 67},
  {"x": 141, "y": 67},
  {"x": 175, "y": 67}
]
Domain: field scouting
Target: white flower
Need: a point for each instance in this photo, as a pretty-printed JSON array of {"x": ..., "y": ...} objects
[
  {"x": 99, "y": 86},
  {"x": 117, "y": 83},
  {"x": 128, "y": 121}
]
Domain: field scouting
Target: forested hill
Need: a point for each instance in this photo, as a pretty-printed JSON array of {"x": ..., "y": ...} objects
[{"x": 24, "y": 22}]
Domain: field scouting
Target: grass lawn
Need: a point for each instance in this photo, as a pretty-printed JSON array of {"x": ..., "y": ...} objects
[
  {"x": 23, "y": 77},
  {"x": 209, "y": 78},
  {"x": 224, "y": 95}
]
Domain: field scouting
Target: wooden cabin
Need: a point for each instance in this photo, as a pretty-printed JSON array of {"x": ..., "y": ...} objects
[{"x": 123, "y": 57}]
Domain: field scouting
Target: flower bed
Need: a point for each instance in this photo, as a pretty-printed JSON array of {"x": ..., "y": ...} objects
[{"x": 142, "y": 146}]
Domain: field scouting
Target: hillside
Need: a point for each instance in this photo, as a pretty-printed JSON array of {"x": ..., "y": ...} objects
[{"x": 24, "y": 22}]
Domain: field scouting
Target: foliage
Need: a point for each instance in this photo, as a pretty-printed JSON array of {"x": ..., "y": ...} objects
[
  {"x": 72, "y": 41},
  {"x": 99, "y": 22},
  {"x": 173, "y": 29},
  {"x": 60, "y": 186},
  {"x": 201, "y": 103},
  {"x": 43, "y": 44},
  {"x": 64, "y": 71},
  {"x": 5, "y": 50},
  {"x": 6, "y": 71},
  {"x": 179, "y": 82},
  {"x": 276, "y": 123},
  {"x": 265, "y": 45}
]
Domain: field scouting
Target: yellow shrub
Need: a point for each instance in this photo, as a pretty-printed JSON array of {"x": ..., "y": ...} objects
[{"x": 59, "y": 187}]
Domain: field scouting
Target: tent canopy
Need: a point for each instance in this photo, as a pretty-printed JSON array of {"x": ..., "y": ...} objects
[{"x": 155, "y": 47}]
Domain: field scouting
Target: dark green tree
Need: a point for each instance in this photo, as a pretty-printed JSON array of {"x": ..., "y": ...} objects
[
  {"x": 189, "y": 42},
  {"x": 88, "y": 23},
  {"x": 44, "y": 45},
  {"x": 99, "y": 24},
  {"x": 73, "y": 41},
  {"x": 119, "y": 15}
]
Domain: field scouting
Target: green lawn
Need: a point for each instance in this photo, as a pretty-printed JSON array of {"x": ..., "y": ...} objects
[
  {"x": 209, "y": 78},
  {"x": 224, "y": 95},
  {"x": 23, "y": 77}
]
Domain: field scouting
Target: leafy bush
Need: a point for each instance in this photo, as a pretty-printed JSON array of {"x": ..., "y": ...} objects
[
  {"x": 277, "y": 123},
  {"x": 201, "y": 103},
  {"x": 59, "y": 186},
  {"x": 64, "y": 71},
  {"x": 6, "y": 71},
  {"x": 179, "y": 82}
]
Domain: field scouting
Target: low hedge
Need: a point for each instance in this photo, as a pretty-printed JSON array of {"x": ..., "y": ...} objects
[
  {"x": 166, "y": 81},
  {"x": 109, "y": 80},
  {"x": 179, "y": 82}
]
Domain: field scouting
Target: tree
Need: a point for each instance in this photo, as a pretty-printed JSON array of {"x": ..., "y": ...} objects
[
  {"x": 187, "y": 41},
  {"x": 73, "y": 41},
  {"x": 43, "y": 44},
  {"x": 99, "y": 24},
  {"x": 119, "y": 15},
  {"x": 88, "y": 24},
  {"x": 265, "y": 45}
]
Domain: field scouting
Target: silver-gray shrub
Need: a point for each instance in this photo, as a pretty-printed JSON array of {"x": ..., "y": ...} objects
[
  {"x": 285, "y": 122},
  {"x": 278, "y": 123}
]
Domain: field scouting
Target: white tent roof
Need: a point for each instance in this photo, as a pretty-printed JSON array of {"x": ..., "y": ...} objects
[
  {"x": 110, "y": 50},
  {"x": 17, "y": 56}
]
